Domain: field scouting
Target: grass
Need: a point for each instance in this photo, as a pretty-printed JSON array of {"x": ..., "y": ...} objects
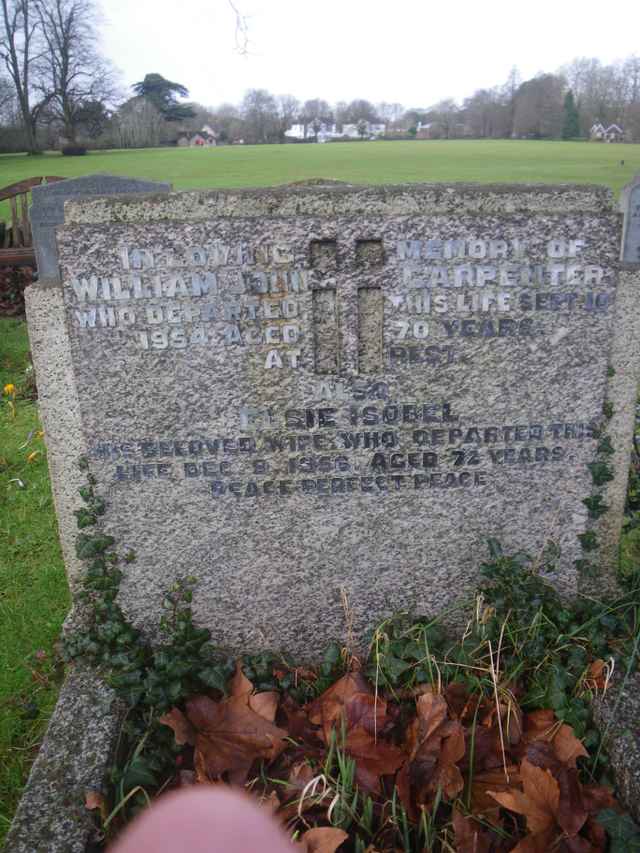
[
  {"x": 33, "y": 593},
  {"x": 369, "y": 162}
]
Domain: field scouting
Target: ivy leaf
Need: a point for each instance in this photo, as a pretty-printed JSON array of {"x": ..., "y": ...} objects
[
  {"x": 621, "y": 829},
  {"x": 138, "y": 774},
  {"x": 214, "y": 677}
]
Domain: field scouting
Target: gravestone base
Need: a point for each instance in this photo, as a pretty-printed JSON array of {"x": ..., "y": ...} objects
[
  {"x": 617, "y": 714},
  {"x": 73, "y": 759}
]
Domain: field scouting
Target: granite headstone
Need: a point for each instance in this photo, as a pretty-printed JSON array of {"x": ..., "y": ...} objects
[{"x": 313, "y": 395}]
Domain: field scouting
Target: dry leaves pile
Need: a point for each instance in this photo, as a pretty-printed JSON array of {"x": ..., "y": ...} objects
[{"x": 491, "y": 777}]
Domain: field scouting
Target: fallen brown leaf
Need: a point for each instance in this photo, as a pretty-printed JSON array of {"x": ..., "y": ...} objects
[
  {"x": 329, "y": 708},
  {"x": 183, "y": 730},
  {"x": 596, "y": 678},
  {"x": 231, "y": 736},
  {"x": 95, "y": 800},
  {"x": 568, "y": 747},
  {"x": 543, "y": 726},
  {"x": 322, "y": 839},
  {"x": 482, "y": 803},
  {"x": 435, "y": 746},
  {"x": 374, "y": 758},
  {"x": 538, "y": 801},
  {"x": 240, "y": 684},
  {"x": 469, "y": 834}
]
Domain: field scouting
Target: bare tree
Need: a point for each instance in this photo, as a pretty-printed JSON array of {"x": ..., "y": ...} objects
[
  {"x": 7, "y": 101},
  {"x": 288, "y": 109},
  {"x": 539, "y": 109},
  {"x": 390, "y": 113},
  {"x": 228, "y": 123},
  {"x": 314, "y": 114},
  {"x": 73, "y": 73},
  {"x": 21, "y": 50},
  {"x": 259, "y": 110},
  {"x": 446, "y": 115},
  {"x": 139, "y": 124}
]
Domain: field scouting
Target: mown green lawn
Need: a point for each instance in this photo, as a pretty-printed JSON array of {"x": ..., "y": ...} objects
[
  {"x": 33, "y": 593},
  {"x": 360, "y": 162}
]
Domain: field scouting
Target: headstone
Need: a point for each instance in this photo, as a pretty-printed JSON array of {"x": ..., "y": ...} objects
[
  {"x": 630, "y": 204},
  {"x": 324, "y": 399},
  {"x": 47, "y": 210}
]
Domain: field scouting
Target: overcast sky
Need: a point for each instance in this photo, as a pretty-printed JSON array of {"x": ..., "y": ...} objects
[{"x": 412, "y": 51}]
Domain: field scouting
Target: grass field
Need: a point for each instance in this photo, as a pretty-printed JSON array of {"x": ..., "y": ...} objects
[
  {"x": 369, "y": 162},
  {"x": 33, "y": 594}
]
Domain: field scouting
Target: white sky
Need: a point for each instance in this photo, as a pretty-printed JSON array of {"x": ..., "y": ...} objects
[{"x": 412, "y": 51}]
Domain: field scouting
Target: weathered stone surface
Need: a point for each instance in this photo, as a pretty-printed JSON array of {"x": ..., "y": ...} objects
[
  {"x": 60, "y": 412},
  {"x": 73, "y": 759},
  {"x": 617, "y": 715},
  {"x": 47, "y": 210},
  {"x": 308, "y": 391},
  {"x": 630, "y": 205}
]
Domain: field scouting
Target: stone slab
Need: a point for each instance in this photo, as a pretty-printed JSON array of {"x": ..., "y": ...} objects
[
  {"x": 59, "y": 411},
  {"x": 73, "y": 759},
  {"x": 617, "y": 715},
  {"x": 303, "y": 394},
  {"x": 47, "y": 210},
  {"x": 630, "y": 205}
]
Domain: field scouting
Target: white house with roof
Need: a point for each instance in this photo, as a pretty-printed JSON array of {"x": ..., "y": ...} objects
[
  {"x": 600, "y": 133},
  {"x": 334, "y": 131}
]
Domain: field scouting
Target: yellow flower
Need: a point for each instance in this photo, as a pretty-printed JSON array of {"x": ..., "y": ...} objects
[
  {"x": 33, "y": 455},
  {"x": 40, "y": 433},
  {"x": 10, "y": 389}
]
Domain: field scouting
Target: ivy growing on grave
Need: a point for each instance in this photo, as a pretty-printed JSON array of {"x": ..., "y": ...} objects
[
  {"x": 154, "y": 678},
  {"x": 602, "y": 472}
]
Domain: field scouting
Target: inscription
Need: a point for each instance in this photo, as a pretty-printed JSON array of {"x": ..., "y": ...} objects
[
  {"x": 289, "y": 306},
  {"x": 380, "y": 448}
]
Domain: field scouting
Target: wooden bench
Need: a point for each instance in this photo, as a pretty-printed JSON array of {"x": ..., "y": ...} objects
[{"x": 16, "y": 246}]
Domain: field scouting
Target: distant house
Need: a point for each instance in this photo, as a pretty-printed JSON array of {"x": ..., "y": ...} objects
[
  {"x": 429, "y": 130},
  {"x": 205, "y": 138},
  {"x": 327, "y": 132},
  {"x": 600, "y": 133},
  {"x": 362, "y": 129}
]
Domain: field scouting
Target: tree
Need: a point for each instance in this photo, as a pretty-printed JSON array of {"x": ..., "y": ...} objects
[
  {"x": 488, "y": 114},
  {"x": 314, "y": 114},
  {"x": 260, "y": 113},
  {"x": 446, "y": 115},
  {"x": 74, "y": 78},
  {"x": 508, "y": 92},
  {"x": 163, "y": 94},
  {"x": 539, "y": 107},
  {"x": 139, "y": 124},
  {"x": 92, "y": 118},
  {"x": 228, "y": 122},
  {"x": 571, "y": 123},
  {"x": 389, "y": 113},
  {"x": 288, "y": 108},
  {"x": 20, "y": 48},
  {"x": 360, "y": 110},
  {"x": 7, "y": 101}
]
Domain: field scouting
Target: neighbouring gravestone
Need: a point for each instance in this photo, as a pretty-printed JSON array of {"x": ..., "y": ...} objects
[
  {"x": 47, "y": 210},
  {"x": 630, "y": 203},
  {"x": 319, "y": 397}
]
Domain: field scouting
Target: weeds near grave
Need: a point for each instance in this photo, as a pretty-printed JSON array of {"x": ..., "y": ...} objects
[{"x": 432, "y": 743}]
